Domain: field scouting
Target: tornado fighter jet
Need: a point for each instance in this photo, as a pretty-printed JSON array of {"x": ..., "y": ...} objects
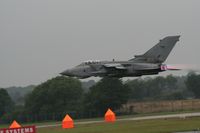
[{"x": 149, "y": 63}]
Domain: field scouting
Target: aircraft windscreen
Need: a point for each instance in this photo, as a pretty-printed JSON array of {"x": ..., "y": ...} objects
[{"x": 90, "y": 62}]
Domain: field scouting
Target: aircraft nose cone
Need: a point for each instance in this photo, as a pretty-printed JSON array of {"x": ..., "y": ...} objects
[{"x": 67, "y": 73}]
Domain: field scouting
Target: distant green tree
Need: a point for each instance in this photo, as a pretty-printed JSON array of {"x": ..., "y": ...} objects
[
  {"x": 142, "y": 89},
  {"x": 138, "y": 89},
  {"x": 193, "y": 84},
  {"x": 154, "y": 87},
  {"x": 6, "y": 104},
  {"x": 158, "y": 88},
  {"x": 171, "y": 82},
  {"x": 56, "y": 95},
  {"x": 107, "y": 93}
]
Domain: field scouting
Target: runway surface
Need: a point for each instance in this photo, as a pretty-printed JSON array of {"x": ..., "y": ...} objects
[{"x": 182, "y": 116}]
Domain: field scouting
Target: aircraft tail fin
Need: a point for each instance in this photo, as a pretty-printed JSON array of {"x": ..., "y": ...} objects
[{"x": 158, "y": 53}]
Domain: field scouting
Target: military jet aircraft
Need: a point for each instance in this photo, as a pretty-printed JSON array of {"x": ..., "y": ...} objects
[{"x": 149, "y": 63}]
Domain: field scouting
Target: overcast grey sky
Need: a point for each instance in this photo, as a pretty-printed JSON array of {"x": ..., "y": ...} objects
[{"x": 40, "y": 38}]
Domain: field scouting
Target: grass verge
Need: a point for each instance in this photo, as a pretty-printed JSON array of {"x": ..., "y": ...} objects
[{"x": 144, "y": 126}]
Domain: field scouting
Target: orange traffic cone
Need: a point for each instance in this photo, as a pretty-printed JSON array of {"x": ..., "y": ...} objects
[
  {"x": 14, "y": 125},
  {"x": 110, "y": 116},
  {"x": 67, "y": 122}
]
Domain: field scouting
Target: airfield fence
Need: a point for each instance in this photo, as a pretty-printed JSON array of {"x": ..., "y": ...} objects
[{"x": 161, "y": 106}]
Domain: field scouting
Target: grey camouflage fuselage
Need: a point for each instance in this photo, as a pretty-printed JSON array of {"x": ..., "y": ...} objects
[{"x": 147, "y": 64}]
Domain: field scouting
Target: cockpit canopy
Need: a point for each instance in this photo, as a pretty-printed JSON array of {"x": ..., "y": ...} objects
[{"x": 89, "y": 62}]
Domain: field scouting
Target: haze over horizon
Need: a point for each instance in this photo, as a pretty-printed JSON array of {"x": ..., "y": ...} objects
[{"x": 41, "y": 38}]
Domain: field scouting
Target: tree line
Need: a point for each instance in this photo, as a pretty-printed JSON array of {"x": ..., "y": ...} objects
[{"x": 60, "y": 95}]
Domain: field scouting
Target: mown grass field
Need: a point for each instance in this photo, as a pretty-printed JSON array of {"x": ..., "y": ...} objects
[{"x": 144, "y": 126}]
